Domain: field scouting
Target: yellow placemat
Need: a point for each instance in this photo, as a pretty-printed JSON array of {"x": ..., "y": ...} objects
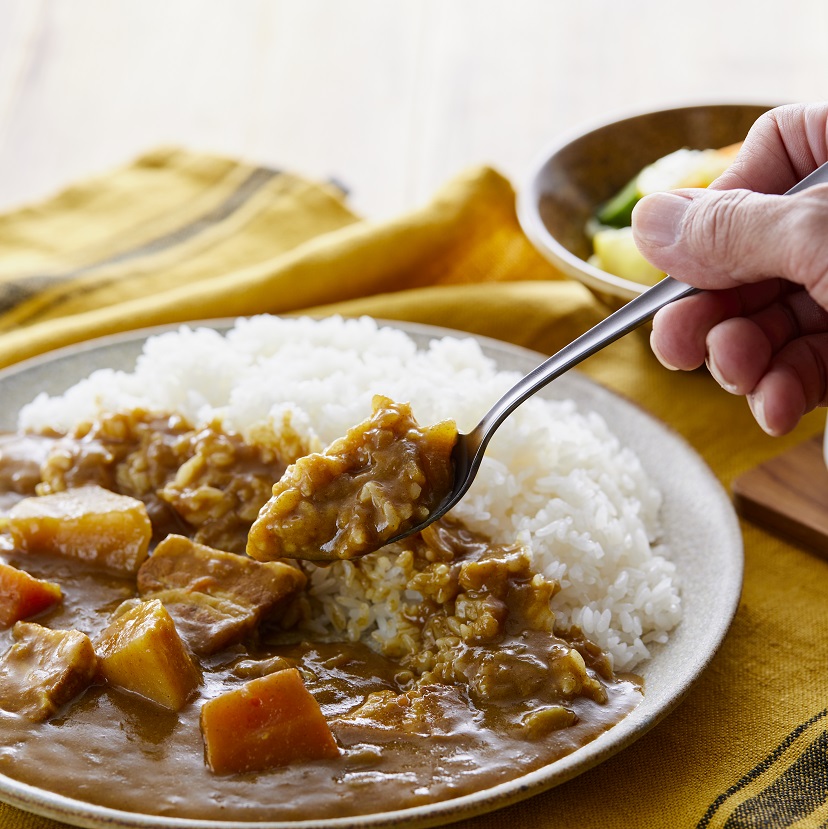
[{"x": 179, "y": 236}]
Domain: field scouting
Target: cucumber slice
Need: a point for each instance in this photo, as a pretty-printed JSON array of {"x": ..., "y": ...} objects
[{"x": 617, "y": 212}]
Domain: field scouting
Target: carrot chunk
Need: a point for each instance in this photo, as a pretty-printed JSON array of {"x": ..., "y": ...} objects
[
  {"x": 270, "y": 721},
  {"x": 22, "y": 595}
]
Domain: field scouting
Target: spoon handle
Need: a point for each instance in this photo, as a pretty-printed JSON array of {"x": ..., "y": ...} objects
[{"x": 615, "y": 326}]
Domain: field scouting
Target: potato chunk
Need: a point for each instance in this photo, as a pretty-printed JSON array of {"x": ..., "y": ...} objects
[
  {"x": 270, "y": 721},
  {"x": 216, "y": 598},
  {"x": 44, "y": 669},
  {"x": 22, "y": 595},
  {"x": 89, "y": 523},
  {"x": 142, "y": 652}
]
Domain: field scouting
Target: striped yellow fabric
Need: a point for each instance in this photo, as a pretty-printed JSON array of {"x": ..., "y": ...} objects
[
  {"x": 180, "y": 236},
  {"x": 788, "y": 788},
  {"x": 194, "y": 237}
]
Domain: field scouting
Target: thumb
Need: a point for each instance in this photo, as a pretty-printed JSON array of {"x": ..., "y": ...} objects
[{"x": 720, "y": 239}]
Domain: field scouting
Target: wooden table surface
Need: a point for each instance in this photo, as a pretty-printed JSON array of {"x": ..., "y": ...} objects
[{"x": 391, "y": 97}]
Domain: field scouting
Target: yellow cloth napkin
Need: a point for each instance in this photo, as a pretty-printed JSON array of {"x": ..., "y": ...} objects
[{"x": 178, "y": 236}]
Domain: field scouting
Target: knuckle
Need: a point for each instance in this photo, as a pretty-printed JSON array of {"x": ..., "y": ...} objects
[
  {"x": 714, "y": 230},
  {"x": 745, "y": 235}
]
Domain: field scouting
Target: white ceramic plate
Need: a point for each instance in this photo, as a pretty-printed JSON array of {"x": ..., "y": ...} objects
[{"x": 700, "y": 526}]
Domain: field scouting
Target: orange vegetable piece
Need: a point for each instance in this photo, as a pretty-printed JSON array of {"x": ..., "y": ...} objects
[
  {"x": 142, "y": 652},
  {"x": 22, "y": 595},
  {"x": 270, "y": 721}
]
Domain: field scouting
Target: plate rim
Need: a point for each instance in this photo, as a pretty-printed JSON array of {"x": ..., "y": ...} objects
[{"x": 637, "y": 723}]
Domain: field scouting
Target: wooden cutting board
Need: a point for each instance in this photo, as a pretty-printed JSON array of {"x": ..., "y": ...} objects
[{"x": 788, "y": 495}]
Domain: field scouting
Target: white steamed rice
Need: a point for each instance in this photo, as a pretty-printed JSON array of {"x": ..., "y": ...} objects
[{"x": 553, "y": 477}]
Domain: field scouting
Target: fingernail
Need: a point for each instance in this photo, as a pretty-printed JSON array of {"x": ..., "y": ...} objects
[
  {"x": 757, "y": 407},
  {"x": 659, "y": 356},
  {"x": 657, "y": 218},
  {"x": 714, "y": 370}
]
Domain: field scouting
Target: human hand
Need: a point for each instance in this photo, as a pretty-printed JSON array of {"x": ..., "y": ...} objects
[{"x": 761, "y": 322}]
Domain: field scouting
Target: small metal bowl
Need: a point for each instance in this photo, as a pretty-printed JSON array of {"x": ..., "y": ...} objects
[{"x": 578, "y": 173}]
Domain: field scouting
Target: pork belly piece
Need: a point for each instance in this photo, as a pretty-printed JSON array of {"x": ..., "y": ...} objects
[
  {"x": 207, "y": 623},
  {"x": 21, "y": 457},
  {"x": 142, "y": 652},
  {"x": 45, "y": 669},
  {"x": 216, "y": 598},
  {"x": 88, "y": 523},
  {"x": 22, "y": 595}
]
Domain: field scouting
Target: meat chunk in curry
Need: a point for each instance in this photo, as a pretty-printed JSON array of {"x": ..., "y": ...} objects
[
  {"x": 44, "y": 670},
  {"x": 383, "y": 477},
  {"x": 216, "y": 598},
  {"x": 21, "y": 459}
]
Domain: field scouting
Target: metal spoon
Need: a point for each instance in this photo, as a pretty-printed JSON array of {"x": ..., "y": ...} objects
[{"x": 469, "y": 449}]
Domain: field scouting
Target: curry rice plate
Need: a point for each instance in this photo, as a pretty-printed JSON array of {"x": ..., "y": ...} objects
[{"x": 488, "y": 646}]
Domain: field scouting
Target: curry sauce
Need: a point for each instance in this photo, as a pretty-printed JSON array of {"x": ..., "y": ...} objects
[{"x": 491, "y": 691}]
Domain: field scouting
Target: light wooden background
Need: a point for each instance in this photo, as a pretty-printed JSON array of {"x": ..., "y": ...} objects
[{"x": 392, "y": 97}]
